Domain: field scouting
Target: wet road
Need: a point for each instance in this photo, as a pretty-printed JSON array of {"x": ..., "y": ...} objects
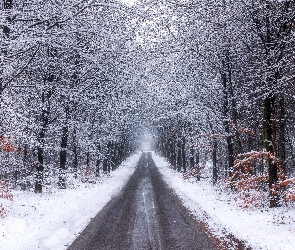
[{"x": 145, "y": 215}]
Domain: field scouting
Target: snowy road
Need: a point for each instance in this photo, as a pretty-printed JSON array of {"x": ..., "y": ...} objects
[{"x": 146, "y": 215}]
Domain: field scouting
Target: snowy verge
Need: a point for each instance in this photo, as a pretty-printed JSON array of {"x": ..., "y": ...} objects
[
  {"x": 54, "y": 220},
  {"x": 268, "y": 229}
]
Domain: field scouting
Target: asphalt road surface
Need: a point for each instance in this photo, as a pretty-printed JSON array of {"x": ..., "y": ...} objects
[{"x": 146, "y": 215}]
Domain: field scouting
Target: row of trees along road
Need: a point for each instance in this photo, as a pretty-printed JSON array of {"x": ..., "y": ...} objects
[
  {"x": 65, "y": 103},
  {"x": 227, "y": 80},
  {"x": 214, "y": 80}
]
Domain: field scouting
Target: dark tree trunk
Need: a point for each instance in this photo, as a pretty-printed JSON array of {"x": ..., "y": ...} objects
[
  {"x": 268, "y": 145},
  {"x": 4, "y": 44},
  {"x": 170, "y": 148},
  {"x": 179, "y": 156},
  {"x": 41, "y": 137},
  {"x": 230, "y": 150},
  {"x": 105, "y": 165},
  {"x": 88, "y": 159},
  {"x": 183, "y": 154},
  {"x": 234, "y": 112},
  {"x": 39, "y": 165},
  {"x": 197, "y": 158},
  {"x": 120, "y": 157},
  {"x": 192, "y": 158},
  {"x": 166, "y": 149},
  {"x": 172, "y": 152},
  {"x": 109, "y": 155},
  {"x": 226, "y": 120},
  {"x": 214, "y": 161},
  {"x": 75, "y": 163},
  {"x": 281, "y": 131},
  {"x": 197, "y": 161},
  {"x": 73, "y": 107},
  {"x": 25, "y": 168},
  {"x": 98, "y": 162},
  {"x": 97, "y": 168},
  {"x": 113, "y": 155},
  {"x": 63, "y": 150}
]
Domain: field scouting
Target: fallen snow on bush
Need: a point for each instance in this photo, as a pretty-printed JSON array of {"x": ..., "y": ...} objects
[
  {"x": 53, "y": 220},
  {"x": 267, "y": 229}
]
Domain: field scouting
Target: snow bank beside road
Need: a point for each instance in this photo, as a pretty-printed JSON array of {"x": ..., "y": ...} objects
[
  {"x": 53, "y": 220},
  {"x": 268, "y": 229}
]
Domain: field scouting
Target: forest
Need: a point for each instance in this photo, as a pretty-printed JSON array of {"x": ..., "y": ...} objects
[{"x": 82, "y": 82}]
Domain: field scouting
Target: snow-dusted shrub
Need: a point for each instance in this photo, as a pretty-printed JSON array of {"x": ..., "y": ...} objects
[
  {"x": 4, "y": 194},
  {"x": 250, "y": 185}
]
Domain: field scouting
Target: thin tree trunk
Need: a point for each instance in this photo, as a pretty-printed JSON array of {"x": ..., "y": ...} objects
[
  {"x": 179, "y": 156},
  {"x": 214, "y": 161},
  {"x": 98, "y": 160},
  {"x": 105, "y": 165},
  {"x": 281, "y": 133},
  {"x": 75, "y": 163},
  {"x": 88, "y": 159},
  {"x": 109, "y": 154},
  {"x": 197, "y": 161},
  {"x": 197, "y": 157},
  {"x": 25, "y": 168},
  {"x": 183, "y": 155},
  {"x": 192, "y": 158},
  {"x": 39, "y": 165}
]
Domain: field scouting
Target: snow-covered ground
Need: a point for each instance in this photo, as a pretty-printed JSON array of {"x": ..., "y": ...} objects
[
  {"x": 267, "y": 229},
  {"x": 53, "y": 220}
]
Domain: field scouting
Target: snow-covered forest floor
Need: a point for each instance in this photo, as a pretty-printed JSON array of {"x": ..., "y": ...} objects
[
  {"x": 267, "y": 229},
  {"x": 52, "y": 220}
]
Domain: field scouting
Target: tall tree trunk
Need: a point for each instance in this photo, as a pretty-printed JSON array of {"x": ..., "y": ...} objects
[
  {"x": 98, "y": 160},
  {"x": 88, "y": 159},
  {"x": 120, "y": 157},
  {"x": 179, "y": 155},
  {"x": 75, "y": 163},
  {"x": 281, "y": 131},
  {"x": 235, "y": 119},
  {"x": 214, "y": 161},
  {"x": 8, "y": 4},
  {"x": 192, "y": 158},
  {"x": 25, "y": 168},
  {"x": 268, "y": 145},
  {"x": 109, "y": 154},
  {"x": 115, "y": 156},
  {"x": 197, "y": 157},
  {"x": 73, "y": 106},
  {"x": 41, "y": 142},
  {"x": 105, "y": 165},
  {"x": 39, "y": 165},
  {"x": 63, "y": 150},
  {"x": 173, "y": 153},
  {"x": 183, "y": 154},
  {"x": 226, "y": 119}
]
